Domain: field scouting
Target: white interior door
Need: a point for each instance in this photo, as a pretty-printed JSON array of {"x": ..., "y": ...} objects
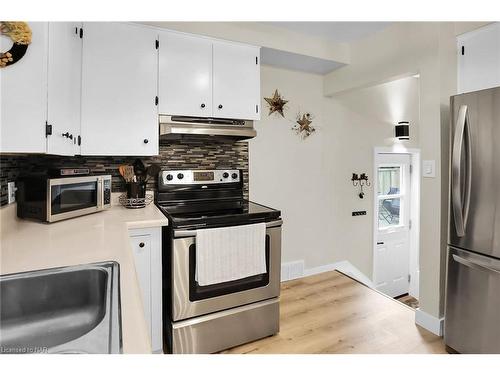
[{"x": 392, "y": 216}]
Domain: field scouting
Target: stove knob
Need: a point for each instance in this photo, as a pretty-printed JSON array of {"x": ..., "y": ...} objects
[
  {"x": 169, "y": 177},
  {"x": 180, "y": 176},
  {"x": 234, "y": 175},
  {"x": 225, "y": 175}
]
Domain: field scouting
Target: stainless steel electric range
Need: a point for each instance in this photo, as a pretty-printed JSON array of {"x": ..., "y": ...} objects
[{"x": 211, "y": 318}]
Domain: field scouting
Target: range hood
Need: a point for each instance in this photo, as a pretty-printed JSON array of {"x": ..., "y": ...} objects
[{"x": 174, "y": 127}]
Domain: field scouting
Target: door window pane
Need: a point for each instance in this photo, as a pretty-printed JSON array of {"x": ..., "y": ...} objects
[
  {"x": 389, "y": 180},
  {"x": 388, "y": 212}
]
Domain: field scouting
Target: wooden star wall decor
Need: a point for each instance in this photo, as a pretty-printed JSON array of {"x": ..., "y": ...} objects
[
  {"x": 276, "y": 103},
  {"x": 303, "y": 126}
]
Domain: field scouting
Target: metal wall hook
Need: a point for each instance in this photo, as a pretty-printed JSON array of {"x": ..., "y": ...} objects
[{"x": 360, "y": 180}]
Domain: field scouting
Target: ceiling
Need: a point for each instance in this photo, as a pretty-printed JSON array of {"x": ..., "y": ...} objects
[{"x": 338, "y": 32}]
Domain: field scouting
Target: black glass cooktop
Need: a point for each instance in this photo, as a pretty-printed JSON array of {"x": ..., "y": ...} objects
[{"x": 205, "y": 214}]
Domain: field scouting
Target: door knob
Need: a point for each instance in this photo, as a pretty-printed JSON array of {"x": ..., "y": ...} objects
[
  {"x": 202, "y": 105},
  {"x": 141, "y": 244},
  {"x": 146, "y": 140},
  {"x": 220, "y": 106}
]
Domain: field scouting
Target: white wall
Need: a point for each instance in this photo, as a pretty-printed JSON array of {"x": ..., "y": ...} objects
[
  {"x": 364, "y": 119},
  {"x": 309, "y": 180},
  {"x": 294, "y": 175}
]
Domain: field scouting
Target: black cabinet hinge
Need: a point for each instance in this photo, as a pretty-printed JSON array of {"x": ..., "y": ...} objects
[
  {"x": 81, "y": 32},
  {"x": 156, "y": 100},
  {"x": 463, "y": 50},
  {"x": 256, "y": 60},
  {"x": 79, "y": 141},
  {"x": 257, "y": 108},
  {"x": 48, "y": 129},
  {"x": 157, "y": 43}
]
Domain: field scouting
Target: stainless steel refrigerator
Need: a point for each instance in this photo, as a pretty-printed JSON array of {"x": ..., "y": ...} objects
[{"x": 472, "y": 314}]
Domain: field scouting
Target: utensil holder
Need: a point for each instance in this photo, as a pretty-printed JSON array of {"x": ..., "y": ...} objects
[{"x": 136, "y": 190}]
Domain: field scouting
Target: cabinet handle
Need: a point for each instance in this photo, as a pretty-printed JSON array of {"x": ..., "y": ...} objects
[
  {"x": 65, "y": 134},
  {"x": 141, "y": 244},
  {"x": 70, "y": 136},
  {"x": 202, "y": 105},
  {"x": 220, "y": 106},
  {"x": 146, "y": 140}
]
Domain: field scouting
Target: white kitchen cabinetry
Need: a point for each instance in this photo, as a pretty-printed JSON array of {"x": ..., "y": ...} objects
[
  {"x": 205, "y": 77},
  {"x": 236, "y": 81},
  {"x": 479, "y": 59},
  {"x": 185, "y": 75},
  {"x": 23, "y": 95},
  {"x": 64, "y": 78},
  {"x": 146, "y": 245},
  {"x": 43, "y": 88},
  {"x": 119, "y": 90}
]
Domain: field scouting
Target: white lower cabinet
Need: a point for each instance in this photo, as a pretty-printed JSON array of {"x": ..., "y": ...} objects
[{"x": 146, "y": 245}]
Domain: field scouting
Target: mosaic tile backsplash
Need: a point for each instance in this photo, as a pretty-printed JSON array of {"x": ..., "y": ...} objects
[{"x": 179, "y": 154}]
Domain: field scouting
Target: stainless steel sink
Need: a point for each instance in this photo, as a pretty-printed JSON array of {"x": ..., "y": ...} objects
[{"x": 72, "y": 309}]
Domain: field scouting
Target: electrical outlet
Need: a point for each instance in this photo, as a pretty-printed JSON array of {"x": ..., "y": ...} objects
[
  {"x": 358, "y": 213},
  {"x": 11, "y": 192}
]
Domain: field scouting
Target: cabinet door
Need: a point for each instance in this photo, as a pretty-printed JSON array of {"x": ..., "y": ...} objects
[
  {"x": 64, "y": 78},
  {"x": 23, "y": 92},
  {"x": 236, "y": 81},
  {"x": 141, "y": 246},
  {"x": 479, "y": 65},
  {"x": 119, "y": 88},
  {"x": 185, "y": 75}
]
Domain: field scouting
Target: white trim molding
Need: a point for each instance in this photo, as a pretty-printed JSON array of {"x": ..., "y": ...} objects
[
  {"x": 429, "y": 322},
  {"x": 343, "y": 266}
]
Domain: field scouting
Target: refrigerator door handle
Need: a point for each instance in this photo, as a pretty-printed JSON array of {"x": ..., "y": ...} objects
[
  {"x": 461, "y": 198},
  {"x": 475, "y": 265}
]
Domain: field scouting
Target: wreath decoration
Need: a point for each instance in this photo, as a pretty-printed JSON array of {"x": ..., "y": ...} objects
[{"x": 20, "y": 33}]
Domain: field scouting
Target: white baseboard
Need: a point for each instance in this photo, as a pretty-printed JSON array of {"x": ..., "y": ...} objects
[
  {"x": 429, "y": 322},
  {"x": 343, "y": 266}
]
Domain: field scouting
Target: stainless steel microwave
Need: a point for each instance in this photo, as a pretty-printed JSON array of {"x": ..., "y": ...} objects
[{"x": 49, "y": 199}]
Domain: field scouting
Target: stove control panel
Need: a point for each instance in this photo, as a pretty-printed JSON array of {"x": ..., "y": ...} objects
[{"x": 199, "y": 177}]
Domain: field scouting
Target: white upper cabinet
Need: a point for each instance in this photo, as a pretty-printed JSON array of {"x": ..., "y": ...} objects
[
  {"x": 185, "y": 75},
  {"x": 119, "y": 87},
  {"x": 23, "y": 91},
  {"x": 204, "y": 77},
  {"x": 236, "y": 81},
  {"x": 479, "y": 59},
  {"x": 64, "y": 77}
]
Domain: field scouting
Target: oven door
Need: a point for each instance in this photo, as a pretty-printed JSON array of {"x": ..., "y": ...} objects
[
  {"x": 73, "y": 196},
  {"x": 190, "y": 299}
]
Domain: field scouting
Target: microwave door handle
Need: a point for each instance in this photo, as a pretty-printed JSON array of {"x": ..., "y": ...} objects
[
  {"x": 456, "y": 171},
  {"x": 99, "y": 193}
]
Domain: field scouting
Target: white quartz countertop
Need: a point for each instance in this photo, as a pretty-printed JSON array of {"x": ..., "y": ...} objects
[{"x": 28, "y": 245}]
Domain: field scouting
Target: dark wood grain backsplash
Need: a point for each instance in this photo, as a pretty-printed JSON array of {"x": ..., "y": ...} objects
[{"x": 182, "y": 154}]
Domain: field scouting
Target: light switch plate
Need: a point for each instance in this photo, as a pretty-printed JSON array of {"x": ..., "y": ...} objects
[
  {"x": 11, "y": 192},
  {"x": 429, "y": 168}
]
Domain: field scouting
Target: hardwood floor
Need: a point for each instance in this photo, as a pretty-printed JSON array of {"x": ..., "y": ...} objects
[{"x": 331, "y": 313}]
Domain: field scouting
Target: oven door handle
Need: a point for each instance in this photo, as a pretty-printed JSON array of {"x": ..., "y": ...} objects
[{"x": 179, "y": 233}]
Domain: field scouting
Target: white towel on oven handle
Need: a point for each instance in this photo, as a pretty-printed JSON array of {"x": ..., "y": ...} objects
[{"x": 230, "y": 253}]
